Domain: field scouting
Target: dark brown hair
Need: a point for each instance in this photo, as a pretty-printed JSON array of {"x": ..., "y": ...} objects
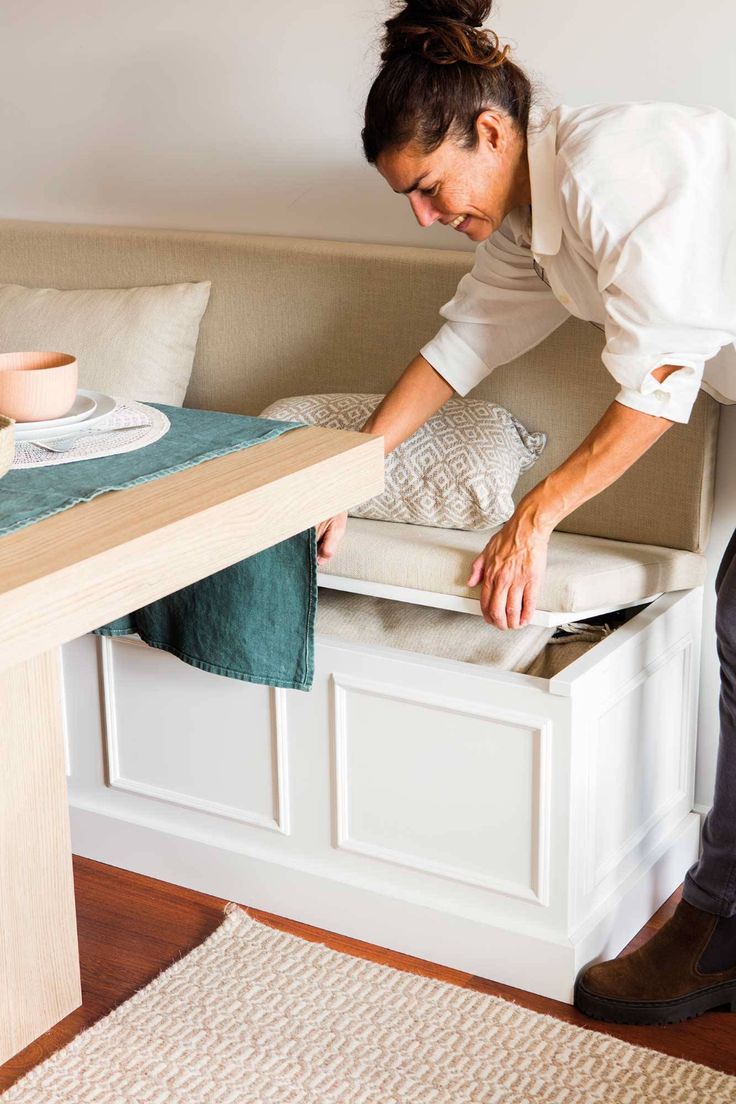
[{"x": 440, "y": 70}]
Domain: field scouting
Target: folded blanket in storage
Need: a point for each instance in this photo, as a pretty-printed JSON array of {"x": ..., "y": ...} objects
[
  {"x": 533, "y": 650},
  {"x": 439, "y": 632}
]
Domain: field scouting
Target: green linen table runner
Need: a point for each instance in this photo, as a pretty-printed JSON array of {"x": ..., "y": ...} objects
[{"x": 253, "y": 621}]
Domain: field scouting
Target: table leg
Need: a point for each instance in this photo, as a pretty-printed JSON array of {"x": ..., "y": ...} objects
[{"x": 39, "y": 957}]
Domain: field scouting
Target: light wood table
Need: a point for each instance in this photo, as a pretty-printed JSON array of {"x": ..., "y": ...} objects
[{"x": 77, "y": 570}]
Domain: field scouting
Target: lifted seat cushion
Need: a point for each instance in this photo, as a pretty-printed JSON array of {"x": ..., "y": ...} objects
[{"x": 583, "y": 573}]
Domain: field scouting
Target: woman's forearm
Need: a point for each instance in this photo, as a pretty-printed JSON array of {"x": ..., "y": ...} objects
[
  {"x": 418, "y": 393},
  {"x": 612, "y": 446}
]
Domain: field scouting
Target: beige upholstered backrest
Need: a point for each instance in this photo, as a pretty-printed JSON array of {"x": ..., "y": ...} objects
[{"x": 291, "y": 316}]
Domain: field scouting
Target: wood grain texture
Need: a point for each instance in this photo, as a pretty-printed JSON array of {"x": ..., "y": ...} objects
[
  {"x": 72, "y": 572},
  {"x": 39, "y": 963},
  {"x": 132, "y": 927}
]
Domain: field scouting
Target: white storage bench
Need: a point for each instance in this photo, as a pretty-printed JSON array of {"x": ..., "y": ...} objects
[
  {"x": 508, "y": 825},
  {"x": 511, "y": 826}
]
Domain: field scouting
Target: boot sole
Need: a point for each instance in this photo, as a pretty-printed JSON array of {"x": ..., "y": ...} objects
[{"x": 652, "y": 1013}]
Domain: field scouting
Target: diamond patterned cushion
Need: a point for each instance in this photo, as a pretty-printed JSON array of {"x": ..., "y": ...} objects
[{"x": 457, "y": 471}]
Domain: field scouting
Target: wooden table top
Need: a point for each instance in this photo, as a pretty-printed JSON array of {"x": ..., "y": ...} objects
[{"x": 96, "y": 561}]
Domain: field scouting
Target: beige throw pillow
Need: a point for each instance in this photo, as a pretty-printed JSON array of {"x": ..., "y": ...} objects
[
  {"x": 457, "y": 471},
  {"x": 137, "y": 343}
]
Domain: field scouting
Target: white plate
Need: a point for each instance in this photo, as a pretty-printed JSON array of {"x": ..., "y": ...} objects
[
  {"x": 84, "y": 405},
  {"x": 31, "y": 431}
]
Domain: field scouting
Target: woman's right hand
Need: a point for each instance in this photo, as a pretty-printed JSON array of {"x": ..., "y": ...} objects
[{"x": 329, "y": 535}]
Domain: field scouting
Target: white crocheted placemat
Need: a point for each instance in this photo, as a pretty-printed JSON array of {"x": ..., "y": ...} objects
[
  {"x": 133, "y": 424},
  {"x": 256, "y": 1015}
]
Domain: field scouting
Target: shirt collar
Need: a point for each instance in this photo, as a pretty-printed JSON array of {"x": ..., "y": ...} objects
[{"x": 542, "y": 152}]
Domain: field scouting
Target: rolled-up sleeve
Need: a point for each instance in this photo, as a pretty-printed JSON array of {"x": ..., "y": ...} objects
[
  {"x": 500, "y": 310},
  {"x": 650, "y": 323},
  {"x": 658, "y": 247}
]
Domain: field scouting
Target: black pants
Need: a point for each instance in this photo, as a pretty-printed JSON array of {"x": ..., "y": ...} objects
[{"x": 710, "y": 884}]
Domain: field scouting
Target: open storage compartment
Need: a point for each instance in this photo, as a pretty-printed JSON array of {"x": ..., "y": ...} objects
[{"x": 541, "y": 650}]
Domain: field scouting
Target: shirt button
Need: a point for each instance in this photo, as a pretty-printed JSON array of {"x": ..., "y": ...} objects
[{"x": 660, "y": 395}]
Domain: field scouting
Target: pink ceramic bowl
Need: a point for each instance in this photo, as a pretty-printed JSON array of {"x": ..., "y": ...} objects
[{"x": 36, "y": 386}]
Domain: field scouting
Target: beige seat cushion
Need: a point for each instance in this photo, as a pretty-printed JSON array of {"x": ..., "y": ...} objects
[{"x": 583, "y": 573}]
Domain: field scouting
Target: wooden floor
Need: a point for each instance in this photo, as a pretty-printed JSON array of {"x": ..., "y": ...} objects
[{"x": 132, "y": 927}]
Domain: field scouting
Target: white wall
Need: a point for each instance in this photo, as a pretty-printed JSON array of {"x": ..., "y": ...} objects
[{"x": 246, "y": 116}]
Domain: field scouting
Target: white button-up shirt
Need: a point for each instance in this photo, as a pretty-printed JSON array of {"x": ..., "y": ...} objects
[{"x": 632, "y": 226}]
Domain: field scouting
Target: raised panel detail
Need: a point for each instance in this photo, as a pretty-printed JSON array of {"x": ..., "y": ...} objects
[
  {"x": 186, "y": 736},
  {"x": 454, "y": 788},
  {"x": 638, "y": 766}
]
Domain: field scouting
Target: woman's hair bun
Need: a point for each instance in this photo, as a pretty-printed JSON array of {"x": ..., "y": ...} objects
[
  {"x": 443, "y": 31},
  {"x": 411, "y": 100},
  {"x": 471, "y": 12}
]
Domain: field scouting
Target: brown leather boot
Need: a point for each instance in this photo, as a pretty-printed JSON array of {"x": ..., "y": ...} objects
[{"x": 688, "y": 967}]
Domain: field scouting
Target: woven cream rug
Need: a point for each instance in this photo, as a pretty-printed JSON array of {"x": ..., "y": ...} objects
[{"x": 258, "y": 1016}]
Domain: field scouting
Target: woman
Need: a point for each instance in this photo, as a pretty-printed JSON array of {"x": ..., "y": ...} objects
[{"x": 621, "y": 214}]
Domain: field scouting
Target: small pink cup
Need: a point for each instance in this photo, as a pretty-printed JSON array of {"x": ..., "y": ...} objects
[{"x": 37, "y": 386}]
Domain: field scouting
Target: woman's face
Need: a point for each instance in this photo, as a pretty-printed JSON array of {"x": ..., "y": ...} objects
[{"x": 471, "y": 190}]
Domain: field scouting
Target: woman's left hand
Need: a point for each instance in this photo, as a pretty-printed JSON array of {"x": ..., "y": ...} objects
[{"x": 511, "y": 568}]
